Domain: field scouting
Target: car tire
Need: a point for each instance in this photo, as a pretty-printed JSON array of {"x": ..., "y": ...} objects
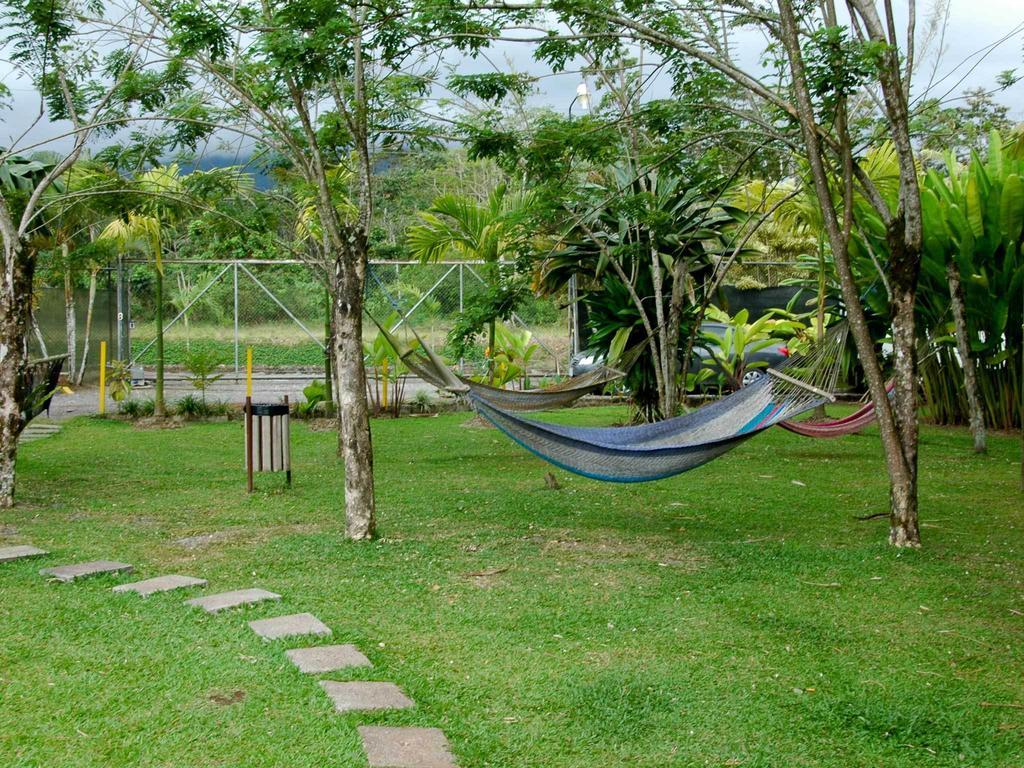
[{"x": 750, "y": 377}]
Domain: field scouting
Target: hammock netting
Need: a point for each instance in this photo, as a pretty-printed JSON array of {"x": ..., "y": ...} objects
[
  {"x": 36, "y": 386},
  {"x": 859, "y": 420},
  {"x": 432, "y": 369},
  {"x": 667, "y": 448}
]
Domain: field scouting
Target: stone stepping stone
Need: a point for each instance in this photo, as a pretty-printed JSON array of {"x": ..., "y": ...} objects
[
  {"x": 224, "y": 600},
  {"x": 7, "y": 554},
  {"x": 327, "y": 658},
  {"x": 406, "y": 747},
  {"x": 81, "y": 570},
  {"x": 37, "y": 432},
  {"x": 149, "y": 587},
  {"x": 361, "y": 696},
  {"x": 289, "y": 626}
]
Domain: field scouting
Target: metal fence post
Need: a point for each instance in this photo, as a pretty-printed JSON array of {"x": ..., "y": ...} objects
[
  {"x": 236, "y": 319},
  {"x": 462, "y": 288},
  {"x": 574, "y": 321},
  {"x": 120, "y": 307}
]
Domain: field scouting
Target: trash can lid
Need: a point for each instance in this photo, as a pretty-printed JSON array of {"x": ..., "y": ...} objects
[{"x": 269, "y": 409}]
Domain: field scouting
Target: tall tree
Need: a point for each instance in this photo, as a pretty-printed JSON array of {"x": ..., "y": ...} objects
[
  {"x": 320, "y": 85},
  {"x": 821, "y": 63},
  {"x": 55, "y": 46}
]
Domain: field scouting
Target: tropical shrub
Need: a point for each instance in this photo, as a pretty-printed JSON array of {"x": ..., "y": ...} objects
[
  {"x": 638, "y": 242},
  {"x": 513, "y": 350},
  {"x": 974, "y": 216},
  {"x": 315, "y": 393},
  {"x": 729, "y": 353},
  {"x": 119, "y": 380},
  {"x": 386, "y": 383}
]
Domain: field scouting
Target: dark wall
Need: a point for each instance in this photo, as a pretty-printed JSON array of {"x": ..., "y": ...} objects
[
  {"x": 758, "y": 301},
  {"x": 50, "y": 317}
]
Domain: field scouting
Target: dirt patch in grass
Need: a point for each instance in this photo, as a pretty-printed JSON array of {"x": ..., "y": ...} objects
[
  {"x": 156, "y": 422},
  {"x": 226, "y": 699},
  {"x": 322, "y": 425},
  {"x": 608, "y": 547},
  {"x": 245, "y": 535}
]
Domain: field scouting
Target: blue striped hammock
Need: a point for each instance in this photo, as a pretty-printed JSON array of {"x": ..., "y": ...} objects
[{"x": 654, "y": 451}]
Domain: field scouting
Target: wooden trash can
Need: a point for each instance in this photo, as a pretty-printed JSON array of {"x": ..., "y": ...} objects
[{"x": 267, "y": 439}]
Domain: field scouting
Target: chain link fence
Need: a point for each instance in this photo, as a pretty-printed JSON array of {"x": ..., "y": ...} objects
[
  {"x": 91, "y": 325},
  {"x": 280, "y": 310}
]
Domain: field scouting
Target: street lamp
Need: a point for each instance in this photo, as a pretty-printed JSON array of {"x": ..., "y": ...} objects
[{"x": 583, "y": 97}]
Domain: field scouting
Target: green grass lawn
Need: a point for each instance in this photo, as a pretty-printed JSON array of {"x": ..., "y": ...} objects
[{"x": 734, "y": 616}]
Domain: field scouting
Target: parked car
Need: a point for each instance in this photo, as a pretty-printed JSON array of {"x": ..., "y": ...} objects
[{"x": 773, "y": 355}]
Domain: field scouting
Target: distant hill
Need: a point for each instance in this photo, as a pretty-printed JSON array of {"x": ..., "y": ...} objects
[{"x": 206, "y": 162}]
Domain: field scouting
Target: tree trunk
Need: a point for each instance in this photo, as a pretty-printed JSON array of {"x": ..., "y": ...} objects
[
  {"x": 328, "y": 346},
  {"x": 675, "y": 317},
  {"x": 354, "y": 443},
  {"x": 897, "y": 422},
  {"x": 903, "y": 526},
  {"x": 15, "y": 308},
  {"x": 43, "y": 351},
  {"x": 159, "y": 407},
  {"x": 819, "y": 413},
  {"x": 963, "y": 345},
  {"x": 70, "y": 321},
  {"x": 88, "y": 327}
]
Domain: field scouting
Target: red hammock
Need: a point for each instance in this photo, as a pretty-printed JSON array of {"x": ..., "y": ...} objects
[{"x": 860, "y": 419}]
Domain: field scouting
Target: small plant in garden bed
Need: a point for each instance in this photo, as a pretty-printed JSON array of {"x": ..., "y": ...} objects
[
  {"x": 421, "y": 402},
  {"x": 191, "y": 407},
  {"x": 137, "y": 409},
  {"x": 202, "y": 366}
]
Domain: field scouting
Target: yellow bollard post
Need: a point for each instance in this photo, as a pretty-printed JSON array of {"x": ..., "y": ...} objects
[
  {"x": 103, "y": 378},
  {"x": 248, "y": 371}
]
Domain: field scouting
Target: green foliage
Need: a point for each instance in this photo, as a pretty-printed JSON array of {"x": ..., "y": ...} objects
[
  {"x": 119, "y": 380},
  {"x": 742, "y": 339},
  {"x": 387, "y": 382},
  {"x": 513, "y": 350},
  {"x": 202, "y": 364},
  {"x": 191, "y": 407},
  {"x": 491, "y": 86},
  {"x": 138, "y": 409},
  {"x": 838, "y": 65},
  {"x": 974, "y": 217},
  {"x": 495, "y": 231},
  {"x": 623, "y": 220},
  {"x": 316, "y": 394}
]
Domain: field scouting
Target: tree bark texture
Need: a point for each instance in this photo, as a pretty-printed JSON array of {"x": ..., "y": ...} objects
[
  {"x": 15, "y": 309},
  {"x": 70, "y": 321},
  {"x": 354, "y": 442},
  {"x": 159, "y": 407},
  {"x": 963, "y": 346},
  {"x": 897, "y": 421}
]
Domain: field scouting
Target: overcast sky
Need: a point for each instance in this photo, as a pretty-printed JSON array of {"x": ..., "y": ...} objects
[{"x": 967, "y": 61}]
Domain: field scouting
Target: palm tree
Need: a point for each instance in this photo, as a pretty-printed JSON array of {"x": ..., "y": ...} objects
[
  {"x": 490, "y": 232},
  {"x": 143, "y": 234},
  {"x": 643, "y": 250},
  {"x": 72, "y": 212}
]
